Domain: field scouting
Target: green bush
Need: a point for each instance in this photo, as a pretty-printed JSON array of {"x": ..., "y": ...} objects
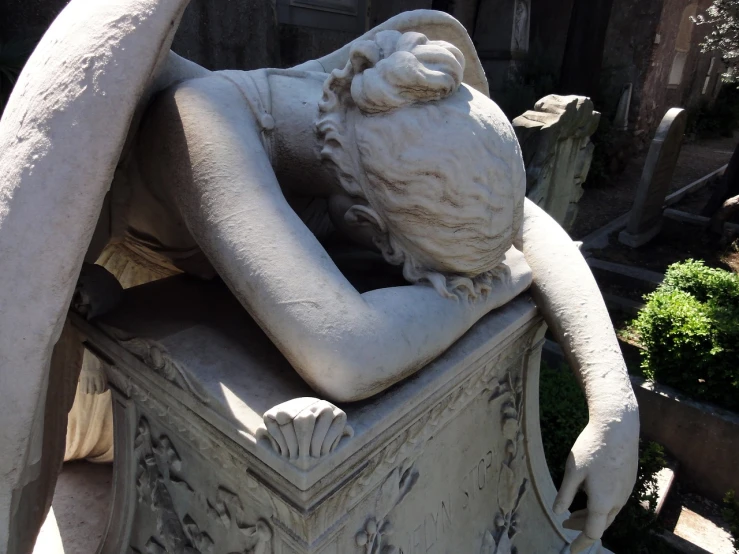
[
  {"x": 690, "y": 332},
  {"x": 731, "y": 515},
  {"x": 564, "y": 414}
]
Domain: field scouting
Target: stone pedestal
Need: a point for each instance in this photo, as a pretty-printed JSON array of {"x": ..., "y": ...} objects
[{"x": 449, "y": 461}]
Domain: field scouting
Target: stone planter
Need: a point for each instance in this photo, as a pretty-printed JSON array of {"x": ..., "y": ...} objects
[{"x": 702, "y": 437}]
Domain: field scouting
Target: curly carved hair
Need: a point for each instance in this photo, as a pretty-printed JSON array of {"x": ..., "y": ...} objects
[{"x": 436, "y": 161}]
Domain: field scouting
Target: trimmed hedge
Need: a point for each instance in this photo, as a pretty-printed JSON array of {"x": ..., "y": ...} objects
[{"x": 690, "y": 332}]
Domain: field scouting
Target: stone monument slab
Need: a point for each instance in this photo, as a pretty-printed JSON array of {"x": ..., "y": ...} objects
[
  {"x": 557, "y": 151},
  {"x": 645, "y": 219},
  {"x": 449, "y": 461}
]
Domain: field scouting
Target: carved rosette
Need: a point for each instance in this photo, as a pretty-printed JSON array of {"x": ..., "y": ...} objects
[{"x": 305, "y": 428}]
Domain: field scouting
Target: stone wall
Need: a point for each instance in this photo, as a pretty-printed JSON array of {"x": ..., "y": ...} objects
[
  {"x": 384, "y": 9},
  {"x": 550, "y": 21},
  {"x": 628, "y": 52},
  {"x": 223, "y": 34},
  {"x": 644, "y": 39},
  {"x": 217, "y": 34},
  {"x": 675, "y": 37},
  {"x": 300, "y": 44},
  {"x": 704, "y": 439},
  {"x": 641, "y": 46},
  {"x": 24, "y": 18}
]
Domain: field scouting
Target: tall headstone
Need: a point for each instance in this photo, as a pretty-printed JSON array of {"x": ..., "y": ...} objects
[
  {"x": 645, "y": 219},
  {"x": 557, "y": 151}
]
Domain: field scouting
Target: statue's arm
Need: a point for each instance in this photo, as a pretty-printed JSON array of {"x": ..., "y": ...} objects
[
  {"x": 346, "y": 345},
  {"x": 604, "y": 459}
]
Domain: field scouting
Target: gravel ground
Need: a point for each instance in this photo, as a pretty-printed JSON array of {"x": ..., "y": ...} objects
[{"x": 604, "y": 202}]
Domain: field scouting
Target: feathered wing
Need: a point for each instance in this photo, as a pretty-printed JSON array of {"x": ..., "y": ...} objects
[
  {"x": 61, "y": 136},
  {"x": 436, "y": 26}
]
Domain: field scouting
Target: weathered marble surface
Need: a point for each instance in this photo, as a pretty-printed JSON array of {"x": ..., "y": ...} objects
[
  {"x": 216, "y": 172},
  {"x": 450, "y": 459},
  {"x": 557, "y": 151}
]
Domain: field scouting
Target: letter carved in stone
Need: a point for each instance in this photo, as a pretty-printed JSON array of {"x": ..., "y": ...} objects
[
  {"x": 374, "y": 536},
  {"x": 512, "y": 480},
  {"x": 305, "y": 428}
]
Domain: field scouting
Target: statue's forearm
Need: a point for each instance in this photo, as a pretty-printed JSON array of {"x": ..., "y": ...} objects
[{"x": 571, "y": 302}]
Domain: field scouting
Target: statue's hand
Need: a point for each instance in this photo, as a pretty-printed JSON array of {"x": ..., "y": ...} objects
[
  {"x": 604, "y": 463},
  {"x": 92, "y": 379},
  {"x": 97, "y": 291}
]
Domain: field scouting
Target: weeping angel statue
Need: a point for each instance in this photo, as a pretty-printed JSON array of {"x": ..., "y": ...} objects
[{"x": 392, "y": 142}]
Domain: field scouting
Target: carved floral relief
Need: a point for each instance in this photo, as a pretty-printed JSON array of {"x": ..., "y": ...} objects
[
  {"x": 159, "y": 475},
  {"x": 512, "y": 480},
  {"x": 375, "y": 536}
]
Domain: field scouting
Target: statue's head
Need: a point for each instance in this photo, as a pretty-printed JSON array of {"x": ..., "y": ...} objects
[{"x": 434, "y": 166}]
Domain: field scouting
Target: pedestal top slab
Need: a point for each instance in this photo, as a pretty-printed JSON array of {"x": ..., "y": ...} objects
[{"x": 205, "y": 350}]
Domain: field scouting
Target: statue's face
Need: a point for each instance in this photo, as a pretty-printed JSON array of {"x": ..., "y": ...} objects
[{"x": 357, "y": 229}]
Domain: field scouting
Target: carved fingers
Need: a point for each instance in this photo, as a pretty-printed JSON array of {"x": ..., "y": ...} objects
[
  {"x": 305, "y": 428},
  {"x": 603, "y": 463},
  {"x": 92, "y": 377},
  {"x": 571, "y": 483}
]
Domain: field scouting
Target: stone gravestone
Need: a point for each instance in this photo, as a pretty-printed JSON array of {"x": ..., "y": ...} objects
[
  {"x": 645, "y": 218},
  {"x": 557, "y": 151}
]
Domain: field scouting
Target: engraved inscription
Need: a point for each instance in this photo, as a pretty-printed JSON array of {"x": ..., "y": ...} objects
[{"x": 497, "y": 474}]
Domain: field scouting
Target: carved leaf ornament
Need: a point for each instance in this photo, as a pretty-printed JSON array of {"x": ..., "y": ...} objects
[
  {"x": 159, "y": 471},
  {"x": 512, "y": 482},
  {"x": 375, "y": 536}
]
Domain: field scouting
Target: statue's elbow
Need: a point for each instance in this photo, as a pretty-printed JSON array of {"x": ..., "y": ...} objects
[{"x": 340, "y": 378}]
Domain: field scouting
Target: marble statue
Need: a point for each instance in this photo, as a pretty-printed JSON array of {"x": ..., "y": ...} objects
[{"x": 391, "y": 141}]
